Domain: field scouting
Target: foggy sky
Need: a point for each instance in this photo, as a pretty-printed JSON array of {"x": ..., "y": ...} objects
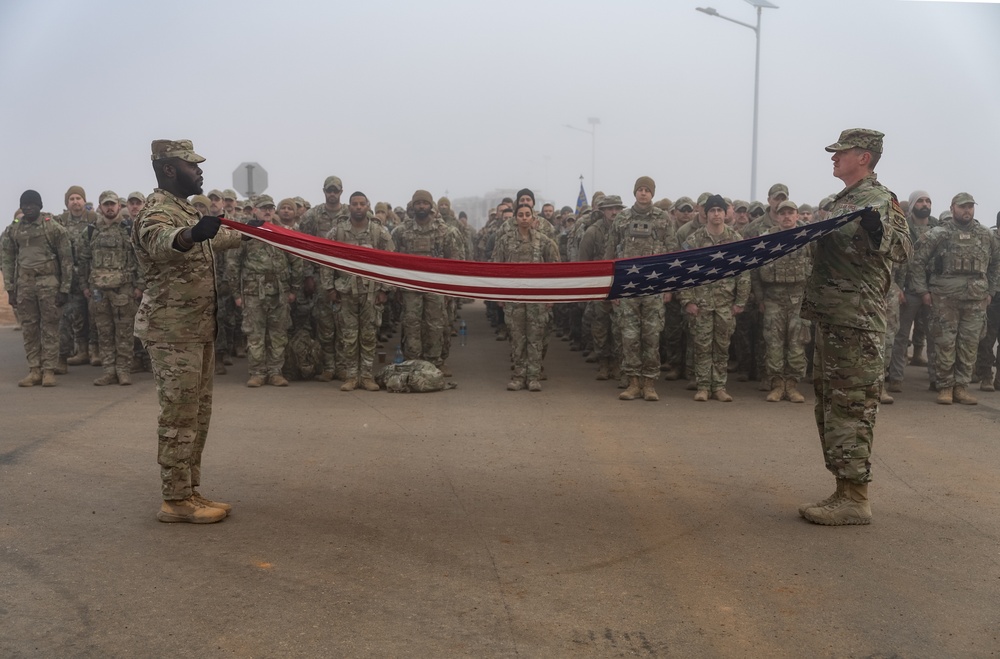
[{"x": 467, "y": 97}]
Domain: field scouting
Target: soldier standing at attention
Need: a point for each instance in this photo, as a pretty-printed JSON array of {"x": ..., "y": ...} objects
[
  {"x": 109, "y": 275},
  {"x": 37, "y": 265},
  {"x": 361, "y": 300},
  {"x": 955, "y": 270},
  {"x": 75, "y": 340},
  {"x": 176, "y": 322},
  {"x": 593, "y": 247},
  {"x": 845, "y": 297}
]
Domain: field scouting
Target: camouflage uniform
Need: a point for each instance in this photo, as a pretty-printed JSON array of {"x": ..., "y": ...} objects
[
  {"x": 605, "y": 333},
  {"x": 37, "y": 264},
  {"x": 527, "y": 321},
  {"x": 360, "y": 312},
  {"x": 960, "y": 267},
  {"x": 176, "y": 322},
  {"x": 75, "y": 323},
  {"x": 845, "y": 296},
  {"x": 264, "y": 276},
  {"x": 424, "y": 313},
  {"x": 712, "y": 329},
  {"x": 319, "y": 221},
  {"x": 913, "y": 314},
  {"x": 107, "y": 266}
]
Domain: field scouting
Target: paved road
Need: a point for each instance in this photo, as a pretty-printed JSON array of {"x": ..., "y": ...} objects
[{"x": 480, "y": 522}]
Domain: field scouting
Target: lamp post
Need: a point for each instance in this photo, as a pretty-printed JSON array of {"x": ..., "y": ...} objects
[
  {"x": 760, "y": 5},
  {"x": 593, "y": 121}
]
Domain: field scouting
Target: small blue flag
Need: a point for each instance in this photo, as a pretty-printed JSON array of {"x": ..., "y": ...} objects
[{"x": 581, "y": 199}]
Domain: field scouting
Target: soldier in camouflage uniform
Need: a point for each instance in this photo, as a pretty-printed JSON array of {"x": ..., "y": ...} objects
[
  {"x": 320, "y": 221},
  {"x": 74, "y": 328},
  {"x": 641, "y": 230},
  {"x": 845, "y": 297},
  {"x": 361, "y": 300},
  {"x": 779, "y": 286},
  {"x": 424, "y": 314},
  {"x": 527, "y": 321},
  {"x": 956, "y": 270},
  {"x": 265, "y": 282},
  {"x": 110, "y": 279},
  {"x": 606, "y": 334},
  {"x": 176, "y": 322},
  {"x": 712, "y": 308},
  {"x": 37, "y": 264}
]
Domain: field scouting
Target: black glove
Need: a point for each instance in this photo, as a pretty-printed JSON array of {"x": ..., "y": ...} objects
[
  {"x": 871, "y": 221},
  {"x": 62, "y": 299},
  {"x": 255, "y": 223},
  {"x": 206, "y": 228}
]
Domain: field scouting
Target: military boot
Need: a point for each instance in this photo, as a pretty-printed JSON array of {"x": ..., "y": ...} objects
[
  {"x": 962, "y": 396},
  {"x": 701, "y": 396},
  {"x": 851, "y": 508},
  {"x": 95, "y": 359},
  {"x": 837, "y": 493},
  {"x": 670, "y": 373},
  {"x": 987, "y": 384},
  {"x": 277, "y": 380},
  {"x": 944, "y": 396},
  {"x": 649, "y": 389},
  {"x": 81, "y": 357},
  {"x": 369, "y": 384},
  {"x": 255, "y": 381},
  {"x": 350, "y": 384},
  {"x": 208, "y": 502},
  {"x": 792, "y": 391},
  {"x": 603, "y": 372},
  {"x": 189, "y": 510},
  {"x": 325, "y": 376},
  {"x": 616, "y": 371},
  {"x": 34, "y": 377},
  {"x": 109, "y": 377},
  {"x": 220, "y": 364},
  {"x": 777, "y": 391},
  {"x": 62, "y": 367},
  {"x": 633, "y": 390},
  {"x": 722, "y": 396},
  {"x": 124, "y": 378},
  {"x": 884, "y": 398},
  {"x": 48, "y": 378}
]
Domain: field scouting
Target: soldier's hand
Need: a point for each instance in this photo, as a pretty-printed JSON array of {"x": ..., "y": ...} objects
[
  {"x": 667, "y": 297},
  {"x": 206, "y": 228},
  {"x": 239, "y": 302},
  {"x": 62, "y": 299},
  {"x": 926, "y": 299},
  {"x": 87, "y": 293},
  {"x": 332, "y": 295},
  {"x": 691, "y": 309},
  {"x": 12, "y": 299},
  {"x": 737, "y": 309},
  {"x": 871, "y": 221},
  {"x": 137, "y": 294},
  {"x": 309, "y": 286},
  {"x": 291, "y": 298}
]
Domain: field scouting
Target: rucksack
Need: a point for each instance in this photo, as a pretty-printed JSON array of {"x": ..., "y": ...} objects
[{"x": 412, "y": 376}]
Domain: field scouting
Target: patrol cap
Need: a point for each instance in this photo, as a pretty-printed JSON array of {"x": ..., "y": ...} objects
[
  {"x": 610, "y": 201},
  {"x": 229, "y": 195},
  {"x": 827, "y": 203},
  {"x": 957, "y": 200},
  {"x": 333, "y": 182},
  {"x": 858, "y": 138},
  {"x": 684, "y": 204},
  {"x": 299, "y": 201},
  {"x": 214, "y": 193},
  {"x": 107, "y": 195},
  {"x": 776, "y": 189},
  {"x": 756, "y": 209},
  {"x": 422, "y": 195},
  {"x": 739, "y": 204},
  {"x": 200, "y": 199},
  {"x": 805, "y": 208},
  {"x": 263, "y": 200},
  {"x": 703, "y": 197},
  {"x": 381, "y": 206},
  {"x": 136, "y": 195},
  {"x": 946, "y": 215},
  {"x": 788, "y": 203},
  {"x": 246, "y": 204},
  {"x": 183, "y": 149}
]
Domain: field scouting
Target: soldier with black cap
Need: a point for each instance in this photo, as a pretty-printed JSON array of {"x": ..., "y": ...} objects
[{"x": 177, "y": 324}]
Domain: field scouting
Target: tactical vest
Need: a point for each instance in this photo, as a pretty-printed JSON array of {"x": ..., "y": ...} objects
[
  {"x": 109, "y": 247},
  {"x": 424, "y": 242},
  {"x": 640, "y": 236},
  {"x": 791, "y": 269},
  {"x": 967, "y": 253}
]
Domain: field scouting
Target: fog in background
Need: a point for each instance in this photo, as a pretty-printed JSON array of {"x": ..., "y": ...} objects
[{"x": 466, "y": 97}]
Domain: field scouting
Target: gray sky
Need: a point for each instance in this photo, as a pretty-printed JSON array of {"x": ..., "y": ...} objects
[{"x": 466, "y": 97}]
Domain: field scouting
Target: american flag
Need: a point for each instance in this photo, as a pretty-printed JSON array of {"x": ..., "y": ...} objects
[{"x": 547, "y": 282}]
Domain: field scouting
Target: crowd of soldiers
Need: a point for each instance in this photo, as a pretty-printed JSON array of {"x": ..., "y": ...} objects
[{"x": 75, "y": 284}]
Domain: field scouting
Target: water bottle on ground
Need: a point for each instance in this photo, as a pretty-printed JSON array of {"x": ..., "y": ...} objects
[
  {"x": 398, "y": 359},
  {"x": 463, "y": 332}
]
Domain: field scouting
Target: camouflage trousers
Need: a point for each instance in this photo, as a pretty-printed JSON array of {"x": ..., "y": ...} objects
[
  {"x": 956, "y": 327},
  {"x": 711, "y": 332},
  {"x": 745, "y": 336},
  {"x": 848, "y": 372},
  {"x": 360, "y": 318},
  {"x": 913, "y": 315},
  {"x": 527, "y": 324},
  {"x": 74, "y": 325},
  {"x": 672, "y": 347},
  {"x": 986, "y": 358},
  {"x": 39, "y": 317},
  {"x": 892, "y": 308},
  {"x": 325, "y": 320},
  {"x": 183, "y": 376},
  {"x": 424, "y": 321},
  {"x": 265, "y": 322},
  {"x": 641, "y": 321},
  {"x": 603, "y": 331},
  {"x": 450, "y": 313},
  {"x": 575, "y": 321},
  {"x": 785, "y": 335},
  {"x": 225, "y": 318},
  {"x": 113, "y": 311}
]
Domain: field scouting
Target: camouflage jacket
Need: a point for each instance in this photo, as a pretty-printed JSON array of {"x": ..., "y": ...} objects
[
  {"x": 958, "y": 262},
  {"x": 641, "y": 233},
  {"x": 686, "y": 230},
  {"x": 39, "y": 251},
  {"x": 258, "y": 269},
  {"x": 594, "y": 244},
  {"x": 536, "y": 248},
  {"x": 902, "y": 271},
  {"x": 435, "y": 239},
  {"x": 852, "y": 270},
  {"x": 179, "y": 302},
  {"x": 784, "y": 278},
  {"x": 372, "y": 235},
  {"x": 75, "y": 227},
  {"x": 107, "y": 258},
  {"x": 319, "y": 221},
  {"x": 721, "y": 294},
  {"x": 759, "y": 227}
]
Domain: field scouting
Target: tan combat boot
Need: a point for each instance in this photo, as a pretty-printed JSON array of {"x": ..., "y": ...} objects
[
  {"x": 616, "y": 371},
  {"x": 255, "y": 381},
  {"x": 604, "y": 372},
  {"x": 220, "y": 364},
  {"x": 34, "y": 377},
  {"x": 325, "y": 376},
  {"x": 95, "y": 358},
  {"x": 189, "y": 510},
  {"x": 851, "y": 508},
  {"x": 792, "y": 391},
  {"x": 722, "y": 396},
  {"x": 944, "y": 396},
  {"x": 124, "y": 378},
  {"x": 62, "y": 368},
  {"x": 277, "y": 380},
  {"x": 633, "y": 390},
  {"x": 837, "y": 493},
  {"x": 962, "y": 396},
  {"x": 81, "y": 357},
  {"x": 109, "y": 377},
  {"x": 369, "y": 384},
  {"x": 649, "y": 389},
  {"x": 350, "y": 385},
  {"x": 48, "y": 378},
  {"x": 208, "y": 502},
  {"x": 884, "y": 397},
  {"x": 701, "y": 396},
  {"x": 777, "y": 391}
]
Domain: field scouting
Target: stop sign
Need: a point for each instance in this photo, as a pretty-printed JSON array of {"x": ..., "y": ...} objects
[{"x": 250, "y": 179}]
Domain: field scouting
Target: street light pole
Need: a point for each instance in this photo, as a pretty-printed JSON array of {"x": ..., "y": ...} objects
[
  {"x": 594, "y": 122},
  {"x": 760, "y": 5}
]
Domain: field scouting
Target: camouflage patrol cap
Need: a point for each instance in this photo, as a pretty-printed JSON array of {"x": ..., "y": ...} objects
[
  {"x": 299, "y": 201},
  {"x": 664, "y": 204},
  {"x": 422, "y": 195},
  {"x": 333, "y": 182},
  {"x": 684, "y": 203},
  {"x": 107, "y": 195},
  {"x": 943, "y": 217},
  {"x": 200, "y": 199},
  {"x": 136, "y": 195},
  {"x": 703, "y": 197},
  {"x": 246, "y": 204},
  {"x": 229, "y": 195},
  {"x": 214, "y": 193},
  {"x": 858, "y": 138},
  {"x": 381, "y": 206},
  {"x": 788, "y": 203},
  {"x": 827, "y": 203},
  {"x": 805, "y": 208},
  {"x": 962, "y": 198},
  {"x": 183, "y": 149},
  {"x": 777, "y": 189},
  {"x": 610, "y": 201},
  {"x": 740, "y": 204},
  {"x": 263, "y": 200},
  {"x": 756, "y": 209}
]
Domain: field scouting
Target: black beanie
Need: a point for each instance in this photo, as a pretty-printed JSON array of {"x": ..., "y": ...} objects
[
  {"x": 525, "y": 191},
  {"x": 715, "y": 201},
  {"x": 31, "y": 196}
]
